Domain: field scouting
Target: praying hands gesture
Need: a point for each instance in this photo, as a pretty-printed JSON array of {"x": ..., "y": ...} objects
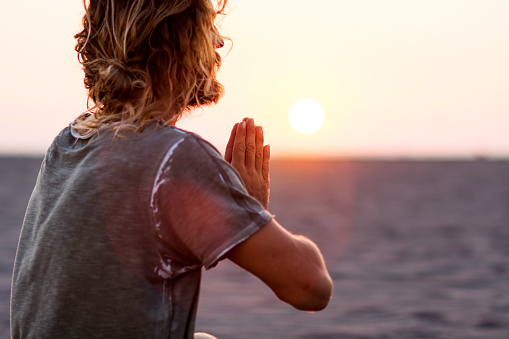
[{"x": 247, "y": 154}]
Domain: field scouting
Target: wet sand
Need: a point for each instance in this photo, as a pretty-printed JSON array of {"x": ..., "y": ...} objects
[{"x": 417, "y": 249}]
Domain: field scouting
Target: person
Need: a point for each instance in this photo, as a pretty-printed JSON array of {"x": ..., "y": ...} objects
[{"x": 128, "y": 209}]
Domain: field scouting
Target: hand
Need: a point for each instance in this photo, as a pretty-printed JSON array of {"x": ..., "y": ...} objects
[{"x": 247, "y": 154}]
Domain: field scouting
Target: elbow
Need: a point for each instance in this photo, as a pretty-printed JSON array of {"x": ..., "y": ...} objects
[
  {"x": 313, "y": 295},
  {"x": 317, "y": 295}
]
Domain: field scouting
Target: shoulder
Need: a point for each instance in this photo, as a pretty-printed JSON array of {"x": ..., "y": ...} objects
[
  {"x": 201, "y": 146},
  {"x": 186, "y": 140},
  {"x": 190, "y": 150},
  {"x": 193, "y": 159}
]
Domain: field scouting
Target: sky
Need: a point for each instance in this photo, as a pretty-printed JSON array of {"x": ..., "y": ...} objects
[{"x": 396, "y": 78}]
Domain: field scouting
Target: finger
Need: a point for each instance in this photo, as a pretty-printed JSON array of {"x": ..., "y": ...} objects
[
  {"x": 259, "y": 148},
  {"x": 229, "y": 147},
  {"x": 250, "y": 144},
  {"x": 266, "y": 162},
  {"x": 239, "y": 145}
]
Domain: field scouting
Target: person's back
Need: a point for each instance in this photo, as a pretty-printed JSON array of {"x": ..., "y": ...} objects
[
  {"x": 120, "y": 262},
  {"x": 128, "y": 209}
]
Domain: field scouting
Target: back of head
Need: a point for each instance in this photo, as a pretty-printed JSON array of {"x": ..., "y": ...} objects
[{"x": 147, "y": 60}]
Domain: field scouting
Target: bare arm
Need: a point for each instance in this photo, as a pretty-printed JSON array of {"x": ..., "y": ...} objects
[{"x": 292, "y": 266}]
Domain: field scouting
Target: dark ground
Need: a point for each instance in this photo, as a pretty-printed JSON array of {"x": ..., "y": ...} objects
[{"x": 417, "y": 249}]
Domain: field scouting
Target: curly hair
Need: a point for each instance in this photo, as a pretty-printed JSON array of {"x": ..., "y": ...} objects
[{"x": 148, "y": 60}]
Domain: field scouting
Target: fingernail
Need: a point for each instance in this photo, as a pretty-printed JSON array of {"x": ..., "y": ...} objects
[
  {"x": 243, "y": 124},
  {"x": 251, "y": 122},
  {"x": 259, "y": 129}
]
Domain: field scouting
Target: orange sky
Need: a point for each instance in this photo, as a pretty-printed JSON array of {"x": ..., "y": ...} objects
[{"x": 396, "y": 78}]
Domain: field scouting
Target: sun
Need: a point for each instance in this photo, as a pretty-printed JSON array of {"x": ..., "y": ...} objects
[{"x": 306, "y": 116}]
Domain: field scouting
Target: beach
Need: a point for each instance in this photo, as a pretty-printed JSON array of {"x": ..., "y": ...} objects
[{"x": 416, "y": 249}]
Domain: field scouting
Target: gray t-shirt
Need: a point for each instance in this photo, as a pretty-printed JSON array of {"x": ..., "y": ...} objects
[{"x": 117, "y": 231}]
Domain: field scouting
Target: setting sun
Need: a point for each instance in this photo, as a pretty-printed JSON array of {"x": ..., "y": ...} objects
[{"x": 306, "y": 116}]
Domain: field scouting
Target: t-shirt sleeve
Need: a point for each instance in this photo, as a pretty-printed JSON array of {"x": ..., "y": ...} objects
[{"x": 202, "y": 208}]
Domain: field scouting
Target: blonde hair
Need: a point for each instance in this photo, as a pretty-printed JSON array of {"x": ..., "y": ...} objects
[{"x": 148, "y": 60}]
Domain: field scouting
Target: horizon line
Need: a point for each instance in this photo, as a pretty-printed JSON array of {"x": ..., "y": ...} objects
[{"x": 294, "y": 157}]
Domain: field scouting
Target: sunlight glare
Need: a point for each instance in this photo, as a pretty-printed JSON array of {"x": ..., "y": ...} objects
[{"x": 306, "y": 116}]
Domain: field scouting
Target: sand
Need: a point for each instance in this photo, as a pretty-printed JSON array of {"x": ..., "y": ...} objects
[{"x": 417, "y": 249}]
